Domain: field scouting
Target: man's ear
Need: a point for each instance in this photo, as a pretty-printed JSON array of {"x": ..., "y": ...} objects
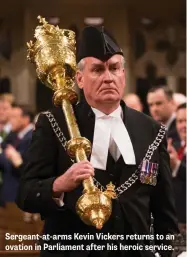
[
  {"x": 79, "y": 79},
  {"x": 124, "y": 74}
]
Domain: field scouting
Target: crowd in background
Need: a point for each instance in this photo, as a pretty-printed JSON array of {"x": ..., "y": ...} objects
[
  {"x": 169, "y": 109},
  {"x": 17, "y": 124}
]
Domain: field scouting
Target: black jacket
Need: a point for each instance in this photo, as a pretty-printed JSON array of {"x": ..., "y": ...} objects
[
  {"x": 10, "y": 173},
  {"x": 172, "y": 132},
  {"x": 179, "y": 183},
  {"x": 131, "y": 212}
]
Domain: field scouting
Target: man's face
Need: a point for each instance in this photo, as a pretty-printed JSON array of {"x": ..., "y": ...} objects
[
  {"x": 160, "y": 107},
  {"x": 17, "y": 119},
  {"x": 181, "y": 123},
  {"x": 5, "y": 111},
  {"x": 133, "y": 102},
  {"x": 102, "y": 82}
]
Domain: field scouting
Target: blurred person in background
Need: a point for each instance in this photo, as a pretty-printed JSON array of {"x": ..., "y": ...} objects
[
  {"x": 179, "y": 99},
  {"x": 162, "y": 109},
  {"x": 133, "y": 101},
  {"x": 6, "y": 102},
  {"x": 12, "y": 157},
  {"x": 177, "y": 152},
  {"x": 16, "y": 158}
]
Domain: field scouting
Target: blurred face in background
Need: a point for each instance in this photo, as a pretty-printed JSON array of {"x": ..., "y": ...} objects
[
  {"x": 18, "y": 120},
  {"x": 179, "y": 99},
  {"x": 133, "y": 101},
  {"x": 160, "y": 106},
  {"x": 181, "y": 123},
  {"x": 103, "y": 82},
  {"x": 5, "y": 111}
]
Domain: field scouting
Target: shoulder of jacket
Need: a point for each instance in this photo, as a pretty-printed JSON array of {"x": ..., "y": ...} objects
[{"x": 142, "y": 117}]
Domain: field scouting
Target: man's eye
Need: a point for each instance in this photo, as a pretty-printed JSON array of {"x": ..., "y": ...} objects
[
  {"x": 114, "y": 69},
  {"x": 97, "y": 70}
]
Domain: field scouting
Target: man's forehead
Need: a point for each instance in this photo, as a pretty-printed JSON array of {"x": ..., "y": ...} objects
[
  {"x": 94, "y": 61},
  {"x": 17, "y": 110},
  {"x": 5, "y": 103},
  {"x": 182, "y": 110},
  {"x": 158, "y": 93}
]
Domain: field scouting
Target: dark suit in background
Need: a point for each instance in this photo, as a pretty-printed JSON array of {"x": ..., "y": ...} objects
[
  {"x": 172, "y": 132},
  {"x": 179, "y": 183},
  {"x": 10, "y": 173}
]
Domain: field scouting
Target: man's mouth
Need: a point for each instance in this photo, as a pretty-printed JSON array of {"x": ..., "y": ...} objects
[{"x": 108, "y": 89}]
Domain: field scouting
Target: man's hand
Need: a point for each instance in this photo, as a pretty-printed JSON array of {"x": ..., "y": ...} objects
[
  {"x": 72, "y": 177},
  {"x": 173, "y": 155},
  {"x": 13, "y": 155}
]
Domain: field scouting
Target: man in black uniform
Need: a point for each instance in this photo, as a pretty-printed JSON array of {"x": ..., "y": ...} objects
[{"x": 120, "y": 138}]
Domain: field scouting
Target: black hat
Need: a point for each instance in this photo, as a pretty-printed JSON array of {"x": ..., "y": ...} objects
[{"x": 97, "y": 42}]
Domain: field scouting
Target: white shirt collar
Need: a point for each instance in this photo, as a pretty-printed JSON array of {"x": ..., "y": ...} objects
[
  {"x": 110, "y": 128},
  {"x": 171, "y": 119},
  {"x": 22, "y": 133},
  {"x": 183, "y": 143},
  {"x": 117, "y": 113}
]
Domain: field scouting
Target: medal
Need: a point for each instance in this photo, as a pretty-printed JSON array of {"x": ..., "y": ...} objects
[{"x": 148, "y": 172}]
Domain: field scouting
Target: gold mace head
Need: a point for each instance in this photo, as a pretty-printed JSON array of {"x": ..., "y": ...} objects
[
  {"x": 53, "y": 52},
  {"x": 94, "y": 208}
]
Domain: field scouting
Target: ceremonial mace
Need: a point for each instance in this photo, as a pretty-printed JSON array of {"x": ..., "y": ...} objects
[{"x": 53, "y": 53}]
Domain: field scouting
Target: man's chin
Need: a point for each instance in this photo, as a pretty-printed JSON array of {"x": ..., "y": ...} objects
[
  {"x": 110, "y": 101},
  {"x": 156, "y": 118},
  {"x": 182, "y": 135},
  {"x": 110, "y": 98}
]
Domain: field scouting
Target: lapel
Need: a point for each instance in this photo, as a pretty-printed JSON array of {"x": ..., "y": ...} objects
[
  {"x": 86, "y": 120},
  {"x": 135, "y": 132},
  {"x": 20, "y": 143}
]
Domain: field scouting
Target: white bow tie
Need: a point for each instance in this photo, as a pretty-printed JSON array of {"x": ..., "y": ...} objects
[{"x": 109, "y": 128}]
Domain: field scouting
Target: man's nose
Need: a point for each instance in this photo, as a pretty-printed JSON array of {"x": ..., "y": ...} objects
[
  {"x": 154, "y": 107},
  {"x": 107, "y": 77}
]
